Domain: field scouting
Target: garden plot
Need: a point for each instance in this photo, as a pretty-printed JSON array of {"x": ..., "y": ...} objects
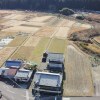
[
  {"x": 46, "y": 31},
  {"x": 17, "y": 41},
  {"x": 21, "y": 29},
  {"x": 78, "y": 74},
  {"x": 5, "y": 53},
  {"x": 62, "y": 32},
  {"x": 57, "y": 45},
  {"x": 13, "y": 23},
  {"x": 40, "y": 19},
  {"x": 32, "y": 41}
]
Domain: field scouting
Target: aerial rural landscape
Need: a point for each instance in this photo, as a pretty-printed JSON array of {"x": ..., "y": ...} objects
[{"x": 49, "y": 52}]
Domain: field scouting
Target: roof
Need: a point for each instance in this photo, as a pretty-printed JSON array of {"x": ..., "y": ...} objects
[
  {"x": 48, "y": 79},
  {"x": 23, "y": 74},
  {"x": 3, "y": 71},
  {"x": 55, "y": 57},
  {"x": 11, "y": 72},
  {"x": 14, "y": 64},
  {"x": 54, "y": 65}
]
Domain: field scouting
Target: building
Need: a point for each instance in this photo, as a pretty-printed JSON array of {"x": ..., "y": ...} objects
[
  {"x": 13, "y": 64},
  {"x": 47, "y": 82},
  {"x": 23, "y": 75},
  {"x": 54, "y": 57},
  {"x": 55, "y": 67}
]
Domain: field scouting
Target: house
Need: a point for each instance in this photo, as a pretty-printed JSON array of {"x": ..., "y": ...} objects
[
  {"x": 23, "y": 75},
  {"x": 47, "y": 82},
  {"x": 13, "y": 64}
]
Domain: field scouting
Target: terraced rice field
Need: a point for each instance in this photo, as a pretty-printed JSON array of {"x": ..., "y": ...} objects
[
  {"x": 78, "y": 74},
  {"x": 57, "y": 45},
  {"x": 5, "y": 53},
  {"x": 17, "y": 41}
]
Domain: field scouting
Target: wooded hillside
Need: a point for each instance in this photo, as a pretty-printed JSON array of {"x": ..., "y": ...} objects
[{"x": 51, "y": 5}]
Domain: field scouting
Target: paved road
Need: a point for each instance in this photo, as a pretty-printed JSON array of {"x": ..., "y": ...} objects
[{"x": 10, "y": 93}]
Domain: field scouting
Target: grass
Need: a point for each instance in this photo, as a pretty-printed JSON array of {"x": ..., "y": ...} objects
[
  {"x": 23, "y": 53},
  {"x": 57, "y": 46},
  {"x": 17, "y": 41}
]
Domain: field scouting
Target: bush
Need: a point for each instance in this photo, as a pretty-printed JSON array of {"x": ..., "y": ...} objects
[{"x": 66, "y": 11}]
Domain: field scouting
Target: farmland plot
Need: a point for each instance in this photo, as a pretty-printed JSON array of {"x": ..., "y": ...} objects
[
  {"x": 17, "y": 41},
  {"x": 23, "y": 53},
  {"x": 32, "y": 41},
  {"x": 78, "y": 74},
  {"x": 40, "y": 19},
  {"x": 62, "y": 32},
  {"x": 46, "y": 32},
  {"x": 21, "y": 29},
  {"x": 5, "y": 53},
  {"x": 57, "y": 45}
]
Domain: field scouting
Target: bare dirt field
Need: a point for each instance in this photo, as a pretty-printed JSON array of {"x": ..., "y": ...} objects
[
  {"x": 78, "y": 74},
  {"x": 45, "y": 32},
  {"x": 17, "y": 41},
  {"x": 13, "y": 23},
  {"x": 40, "y": 19},
  {"x": 21, "y": 29},
  {"x": 32, "y": 41},
  {"x": 5, "y": 53}
]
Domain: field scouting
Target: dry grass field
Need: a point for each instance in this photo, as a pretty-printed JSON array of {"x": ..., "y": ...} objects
[
  {"x": 40, "y": 19},
  {"x": 21, "y": 29},
  {"x": 78, "y": 74},
  {"x": 62, "y": 32},
  {"x": 5, "y": 53},
  {"x": 32, "y": 41},
  {"x": 17, "y": 41},
  {"x": 45, "y": 32},
  {"x": 23, "y": 53},
  {"x": 57, "y": 45}
]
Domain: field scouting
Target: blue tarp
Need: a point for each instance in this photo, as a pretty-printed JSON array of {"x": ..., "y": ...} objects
[{"x": 15, "y": 64}]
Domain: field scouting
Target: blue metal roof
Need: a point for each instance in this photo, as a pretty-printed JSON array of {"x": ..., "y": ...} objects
[{"x": 15, "y": 64}]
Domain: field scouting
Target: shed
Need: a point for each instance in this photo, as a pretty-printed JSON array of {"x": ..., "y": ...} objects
[{"x": 13, "y": 64}]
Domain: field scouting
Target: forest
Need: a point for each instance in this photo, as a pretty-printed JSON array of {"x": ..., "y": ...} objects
[{"x": 50, "y": 5}]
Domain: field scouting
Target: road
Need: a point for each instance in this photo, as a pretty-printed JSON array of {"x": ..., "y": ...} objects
[{"x": 10, "y": 93}]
